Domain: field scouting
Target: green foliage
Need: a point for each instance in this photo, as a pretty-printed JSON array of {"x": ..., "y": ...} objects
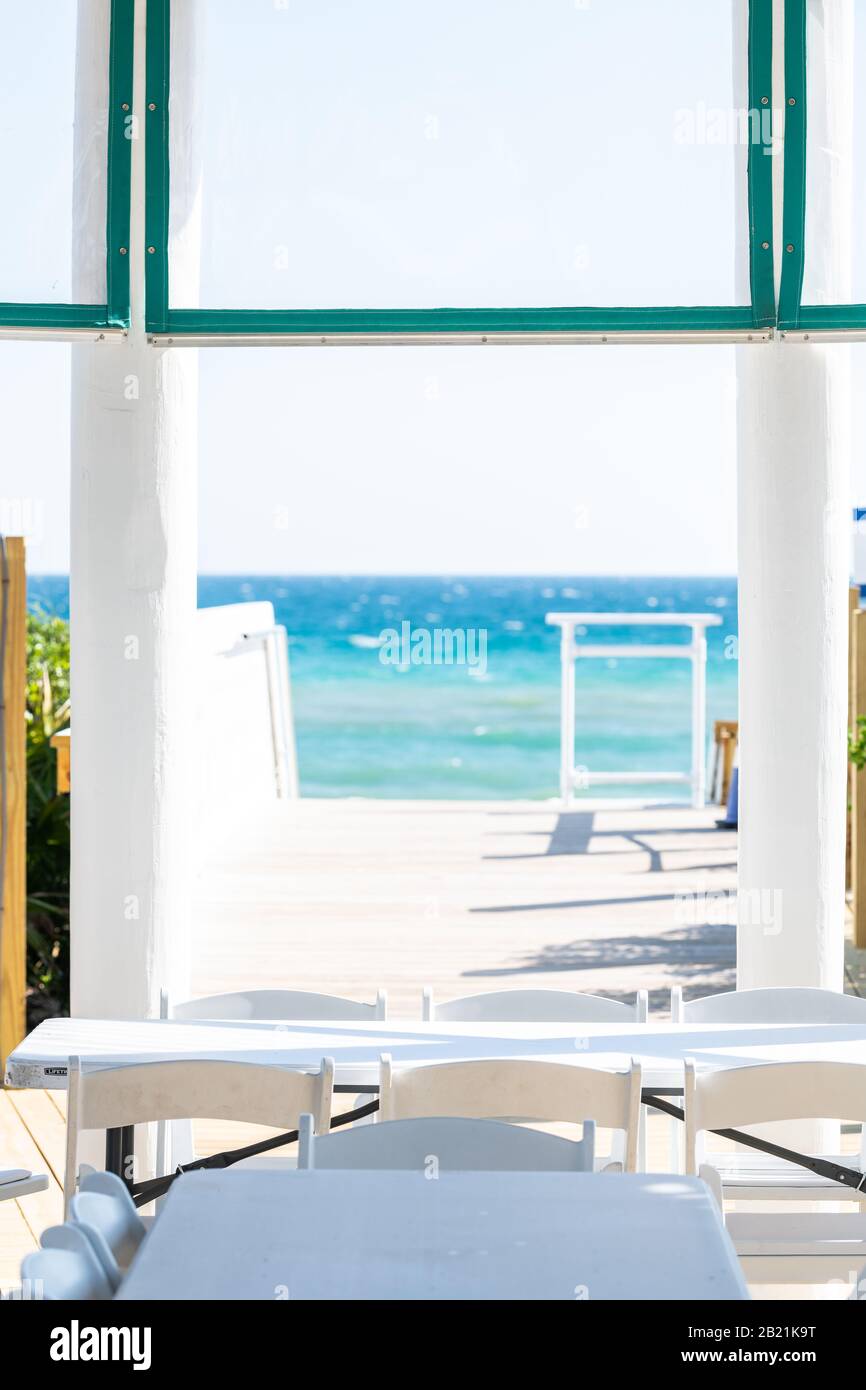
[
  {"x": 857, "y": 744},
  {"x": 47, "y": 820}
]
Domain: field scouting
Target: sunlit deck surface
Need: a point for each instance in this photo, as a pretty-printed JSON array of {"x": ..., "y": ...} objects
[{"x": 346, "y": 896}]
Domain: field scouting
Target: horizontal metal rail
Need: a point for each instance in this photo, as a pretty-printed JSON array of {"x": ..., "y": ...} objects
[{"x": 458, "y": 339}]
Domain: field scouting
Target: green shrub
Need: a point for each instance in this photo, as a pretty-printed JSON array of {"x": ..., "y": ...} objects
[
  {"x": 47, "y": 820},
  {"x": 857, "y": 745}
]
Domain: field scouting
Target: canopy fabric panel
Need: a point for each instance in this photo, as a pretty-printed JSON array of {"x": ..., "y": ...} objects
[
  {"x": 832, "y": 200},
  {"x": 59, "y": 132},
  {"x": 388, "y": 162}
]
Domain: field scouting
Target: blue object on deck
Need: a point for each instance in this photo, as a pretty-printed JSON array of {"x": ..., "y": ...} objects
[{"x": 730, "y": 821}]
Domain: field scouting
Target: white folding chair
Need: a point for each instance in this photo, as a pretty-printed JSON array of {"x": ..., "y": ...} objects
[
  {"x": 66, "y": 1268},
  {"x": 174, "y": 1143},
  {"x": 454, "y": 1145},
  {"x": 114, "y": 1097},
  {"x": 512, "y": 1089},
  {"x": 103, "y": 1204},
  {"x": 69, "y": 1236},
  {"x": 778, "y": 1004},
  {"x": 534, "y": 1006},
  {"x": 281, "y": 1005},
  {"x": 779, "y": 1247},
  {"x": 20, "y": 1182}
]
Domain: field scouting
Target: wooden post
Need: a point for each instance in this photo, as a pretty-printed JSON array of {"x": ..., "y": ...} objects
[
  {"x": 858, "y": 783},
  {"x": 13, "y": 942},
  {"x": 61, "y": 745}
]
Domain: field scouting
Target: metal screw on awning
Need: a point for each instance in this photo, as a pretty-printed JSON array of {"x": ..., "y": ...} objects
[
  {"x": 765, "y": 101},
  {"x": 123, "y": 250},
  {"x": 790, "y": 246},
  {"x": 765, "y": 245},
  {"x": 151, "y": 250},
  {"x": 792, "y": 101},
  {"x": 124, "y": 106},
  {"x": 151, "y": 106}
]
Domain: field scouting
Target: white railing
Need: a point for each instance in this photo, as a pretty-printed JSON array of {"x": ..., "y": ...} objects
[
  {"x": 274, "y": 643},
  {"x": 571, "y": 775},
  {"x": 244, "y": 730}
]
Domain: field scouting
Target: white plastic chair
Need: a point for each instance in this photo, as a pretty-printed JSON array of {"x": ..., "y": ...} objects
[
  {"x": 20, "y": 1182},
  {"x": 280, "y": 1005},
  {"x": 512, "y": 1089},
  {"x": 68, "y": 1237},
  {"x": 456, "y": 1145},
  {"x": 778, "y": 1004},
  {"x": 113, "y": 1097},
  {"x": 262, "y": 1005},
  {"x": 533, "y": 1006},
  {"x": 66, "y": 1268},
  {"x": 103, "y": 1204},
  {"x": 779, "y": 1247}
]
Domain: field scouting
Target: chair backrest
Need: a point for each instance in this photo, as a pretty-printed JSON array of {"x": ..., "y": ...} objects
[
  {"x": 510, "y": 1088},
  {"x": 735, "y": 1097},
  {"x": 282, "y": 1005},
  {"x": 534, "y": 1006},
  {"x": 105, "y": 1097},
  {"x": 67, "y": 1267},
  {"x": 774, "y": 1005},
  {"x": 113, "y": 1215},
  {"x": 453, "y": 1145}
]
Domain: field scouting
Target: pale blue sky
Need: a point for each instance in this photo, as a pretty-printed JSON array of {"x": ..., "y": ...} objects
[{"x": 467, "y": 153}]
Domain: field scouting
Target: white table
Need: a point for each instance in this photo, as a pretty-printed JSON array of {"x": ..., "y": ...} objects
[
  {"x": 371, "y": 1235},
  {"x": 41, "y": 1059}
]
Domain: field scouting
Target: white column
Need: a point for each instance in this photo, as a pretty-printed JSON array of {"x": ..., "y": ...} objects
[
  {"x": 133, "y": 598},
  {"x": 793, "y": 419}
]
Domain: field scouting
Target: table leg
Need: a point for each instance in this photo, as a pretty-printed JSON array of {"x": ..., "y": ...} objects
[{"x": 120, "y": 1152}]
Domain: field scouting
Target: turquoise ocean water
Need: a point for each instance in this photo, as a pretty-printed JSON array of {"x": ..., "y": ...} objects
[{"x": 365, "y": 728}]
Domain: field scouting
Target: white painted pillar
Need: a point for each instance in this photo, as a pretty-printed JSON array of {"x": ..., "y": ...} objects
[
  {"x": 133, "y": 598},
  {"x": 793, "y": 423}
]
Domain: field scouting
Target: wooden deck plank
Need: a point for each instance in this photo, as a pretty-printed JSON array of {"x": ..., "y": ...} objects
[
  {"x": 58, "y": 1100},
  {"x": 350, "y": 896},
  {"x": 46, "y": 1126},
  {"x": 18, "y": 1236},
  {"x": 16, "y": 1241}
]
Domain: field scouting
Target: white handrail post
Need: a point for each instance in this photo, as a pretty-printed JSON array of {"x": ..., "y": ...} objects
[
  {"x": 293, "y": 790},
  {"x": 566, "y": 714},
  {"x": 695, "y": 652},
  {"x": 699, "y": 715}
]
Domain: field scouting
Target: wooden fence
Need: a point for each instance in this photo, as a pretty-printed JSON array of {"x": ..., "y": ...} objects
[{"x": 13, "y": 796}]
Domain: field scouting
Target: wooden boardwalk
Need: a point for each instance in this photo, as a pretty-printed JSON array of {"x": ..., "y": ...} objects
[
  {"x": 32, "y": 1135},
  {"x": 348, "y": 896}
]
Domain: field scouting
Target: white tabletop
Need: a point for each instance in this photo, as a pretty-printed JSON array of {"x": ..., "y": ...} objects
[
  {"x": 372, "y": 1235},
  {"x": 41, "y": 1059}
]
